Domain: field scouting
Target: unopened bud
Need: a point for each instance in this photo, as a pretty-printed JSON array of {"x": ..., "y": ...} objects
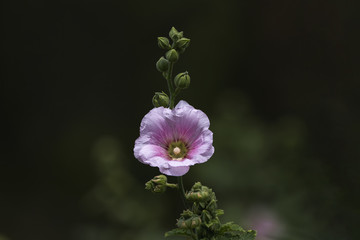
[
  {"x": 159, "y": 189},
  {"x": 182, "y": 80},
  {"x": 162, "y": 65},
  {"x": 197, "y": 196},
  {"x": 196, "y": 186},
  {"x": 199, "y": 193},
  {"x": 160, "y": 179},
  {"x": 160, "y": 99},
  {"x": 195, "y": 222},
  {"x": 157, "y": 184},
  {"x": 175, "y": 35},
  {"x": 163, "y": 43},
  {"x": 172, "y": 55},
  {"x": 181, "y": 223},
  {"x": 182, "y": 43}
]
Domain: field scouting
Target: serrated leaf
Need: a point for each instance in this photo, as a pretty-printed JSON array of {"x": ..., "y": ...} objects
[
  {"x": 206, "y": 216},
  {"x": 230, "y": 226},
  {"x": 178, "y": 232}
]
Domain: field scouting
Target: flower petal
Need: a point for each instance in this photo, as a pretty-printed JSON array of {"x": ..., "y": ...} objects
[
  {"x": 146, "y": 152},
  {"x": 175, "y": 171},
  {"x": 155, "y": 123}
]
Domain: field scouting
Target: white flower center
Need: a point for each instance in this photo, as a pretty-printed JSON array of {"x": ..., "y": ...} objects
[{"x": 176, "y": 150}]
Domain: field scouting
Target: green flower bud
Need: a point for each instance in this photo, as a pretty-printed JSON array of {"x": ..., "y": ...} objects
[
  {"x": 197, "y": 196},
  {"x": 159, "y": 189},
  {"x": 172, "y": 55},
  {"x": 182, "y": 80},
  {"x": 175, "y": 35},
  {"x": 195, "y": 222},
  {"x": 162, "y": 65},
  {"x": 189, "y": 223},
  {"x": 160, "y": 179},
  {"x": 149, "y": 185},
  {"x": 182, "y": 43},
  {"x": 196, "y": 186},
  {"x": 160, "y": 99},
  {"x": 181, "y": 223},
  {"x": 163, "y": 43},
  {"x": 199, "y": 193},
  {"x": 157, "y": 185}
]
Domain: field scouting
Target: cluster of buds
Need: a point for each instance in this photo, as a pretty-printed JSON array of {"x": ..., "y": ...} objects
[
  {"x": 202, "y": 220},
  {"x": 159, "y": 184},
  {"x": 199, "y": 193},
  {"x": 166, "y": 62},
  {"x": 188, "y": 220},
  {"x": 180, "y": 43}
]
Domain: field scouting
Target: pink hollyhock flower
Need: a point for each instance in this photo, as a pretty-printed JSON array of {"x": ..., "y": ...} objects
[{"x": 174, "y": 139}]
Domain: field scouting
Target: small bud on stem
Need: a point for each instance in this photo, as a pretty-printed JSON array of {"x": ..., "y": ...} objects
[
  {"x": 182, "y": 80},
  {"x": 182, "y": 43},
  {"x": 162, "y": 65},
  {"x": 172, "y": 55},
  {"x": 163, "y": 43},
  {"x": 160, "y": 99}
]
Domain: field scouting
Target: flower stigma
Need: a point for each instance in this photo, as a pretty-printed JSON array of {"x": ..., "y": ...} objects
[{"x": 177, "y": 150}]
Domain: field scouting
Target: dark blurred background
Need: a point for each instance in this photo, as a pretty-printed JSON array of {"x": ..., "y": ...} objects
[{"x": 279, "y": 81}]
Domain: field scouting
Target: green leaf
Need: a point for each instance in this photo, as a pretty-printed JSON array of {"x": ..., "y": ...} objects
[
  {"x": 230, "y": 226},
  {"x": 178, "y": 232},
  {"x": 219, "y": 212},
  {"x": 206, "y": 216}
]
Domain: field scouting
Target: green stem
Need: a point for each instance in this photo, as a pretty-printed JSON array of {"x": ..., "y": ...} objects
[
  {"x": 172, "y": 185},
  {"x": 182, "y": 190},
  {"x": 173, "y": 96},
  {"x": 171, "y": 85}
]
